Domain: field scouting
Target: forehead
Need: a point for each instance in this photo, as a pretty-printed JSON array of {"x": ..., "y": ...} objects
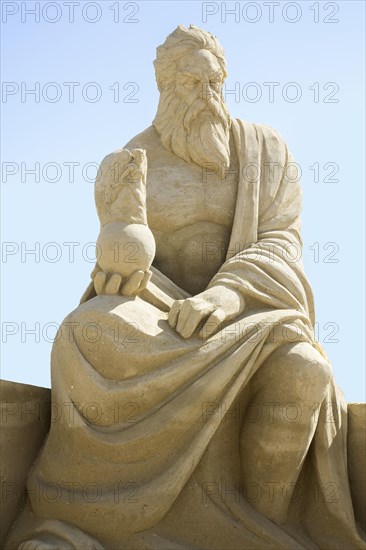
[{"x": 201, "y": 63}]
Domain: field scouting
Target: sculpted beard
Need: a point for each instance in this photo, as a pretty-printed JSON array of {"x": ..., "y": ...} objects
[{"x": 196, "y": 133}]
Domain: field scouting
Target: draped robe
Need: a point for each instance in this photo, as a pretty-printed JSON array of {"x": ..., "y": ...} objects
[{"x": 143, "y": 432}]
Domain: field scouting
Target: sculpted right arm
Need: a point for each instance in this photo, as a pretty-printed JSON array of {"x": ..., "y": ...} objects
[{"x": 125, "y": 246}]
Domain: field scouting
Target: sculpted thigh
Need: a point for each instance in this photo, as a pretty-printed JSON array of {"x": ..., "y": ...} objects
[{"x": 122, "y": 337}]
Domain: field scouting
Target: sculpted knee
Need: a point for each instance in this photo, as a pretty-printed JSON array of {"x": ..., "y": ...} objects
[
  {"x": 310, "y": 365},
  {"x": 324, "y": 369}
]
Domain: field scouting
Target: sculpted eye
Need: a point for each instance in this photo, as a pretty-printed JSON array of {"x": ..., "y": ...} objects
[{"x": 191, "y": 83}]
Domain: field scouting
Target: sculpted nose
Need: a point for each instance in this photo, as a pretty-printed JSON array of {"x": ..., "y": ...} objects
[{"x": 206, "y": 91}]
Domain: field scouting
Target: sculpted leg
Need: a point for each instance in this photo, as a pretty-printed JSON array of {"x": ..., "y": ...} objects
[{"x": 281, "y": 418}]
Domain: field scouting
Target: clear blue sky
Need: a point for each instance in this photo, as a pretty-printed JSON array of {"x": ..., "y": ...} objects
[{"x": 313, "y": 52}]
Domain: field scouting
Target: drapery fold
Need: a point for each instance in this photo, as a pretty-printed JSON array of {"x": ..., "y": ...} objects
[{"x": 130, "y": 436}]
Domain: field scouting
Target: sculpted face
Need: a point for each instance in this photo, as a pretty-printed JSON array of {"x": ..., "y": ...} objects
[
  {"x": 192, "y": 118},
  {"x": 199, "y": 76}
]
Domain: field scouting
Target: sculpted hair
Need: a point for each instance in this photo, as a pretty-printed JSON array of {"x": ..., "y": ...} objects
[{"x": 180, "y": 42}]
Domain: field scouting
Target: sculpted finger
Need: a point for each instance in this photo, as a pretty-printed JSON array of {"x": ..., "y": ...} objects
[
  {"x": 145, "y": 280},
  {"x": 99, "y": 282},
  {"x": 194, "y": 319},
  {"x": 112, "y": 286},
  {"x": 174, "y": 312},
  {"x": 96, "y": 270},
  {"x": 185, "y": 310},
  {"x": 132, "y": 286},
  {"x": 213, "y": 323}
]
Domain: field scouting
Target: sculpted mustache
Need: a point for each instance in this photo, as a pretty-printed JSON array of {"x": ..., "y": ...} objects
[{"x": 199, "y": 106}]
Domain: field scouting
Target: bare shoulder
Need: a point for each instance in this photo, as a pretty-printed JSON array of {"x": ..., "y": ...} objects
[{"x": 147, "y": 139}]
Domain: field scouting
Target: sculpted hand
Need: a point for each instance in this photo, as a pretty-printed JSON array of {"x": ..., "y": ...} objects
[
  {"x": 214, "y": 306},
  {"x": 112, "y": 284}
]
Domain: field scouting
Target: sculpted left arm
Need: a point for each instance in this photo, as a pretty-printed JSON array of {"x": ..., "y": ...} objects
[
  {"x": 126, "y": 245},
  {"x": 269, "y": 271},
  {"x": 265, "y": 273}
]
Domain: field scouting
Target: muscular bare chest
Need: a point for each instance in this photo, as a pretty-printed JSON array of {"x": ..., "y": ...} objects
[
  {"x": 179, "y": 195},
  {"x": 190, "y": 212}
]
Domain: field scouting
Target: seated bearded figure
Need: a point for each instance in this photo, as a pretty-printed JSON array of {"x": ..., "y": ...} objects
[{"x": 197, "y": 396}]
